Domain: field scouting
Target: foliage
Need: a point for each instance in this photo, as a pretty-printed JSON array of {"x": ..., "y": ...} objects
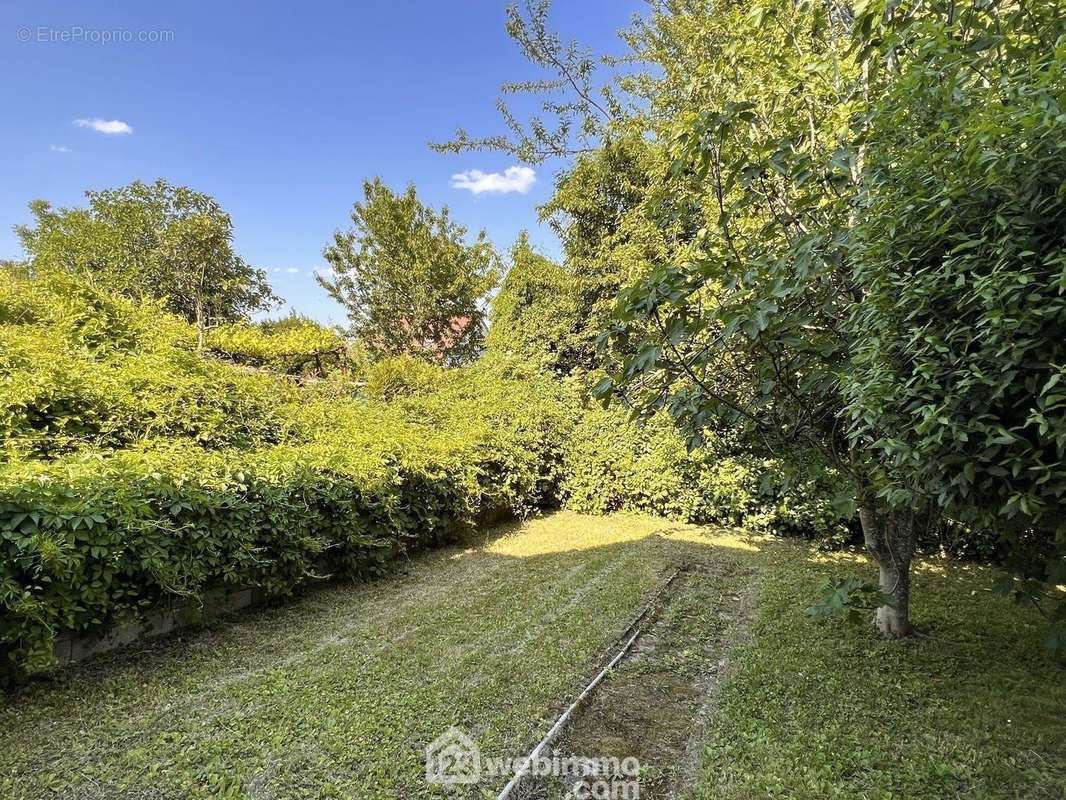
[
  {"x": 574, "y": 110},
  {"x": 961, "y": 252},
  {"x": 291, "y": 345},
  {"x": 89, "y": 536},
  {"x": 408, "y": 279},
  {"x": 83, "y": 368},
  {"x": 403, "y": 376},
  {"x": 849, "y": 597},
  {"x": 600, "y": 211},
  {"x": 151, "y": 241},
  {"x": 616, "y": 463},
  {"x": 740, "y": 322},
  {"x": 537, "y": 315},
  {"x": 138, "y": 469}
]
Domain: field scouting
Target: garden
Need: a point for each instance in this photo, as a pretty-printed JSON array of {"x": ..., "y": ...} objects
[{"x": 758, "y": 488}]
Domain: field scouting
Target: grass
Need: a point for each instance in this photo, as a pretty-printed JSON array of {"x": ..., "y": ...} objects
[
  {"x": 337, "y": 693},
  {"x": 973, "y": 708}
]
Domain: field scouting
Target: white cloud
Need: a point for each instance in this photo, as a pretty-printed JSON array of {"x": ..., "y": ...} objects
[
  {"x": 292, "y": 270},
  {"x": 58, "y": 148},
  {"x": 513, "y": 179},
  {"x": 108, "y": 126}
]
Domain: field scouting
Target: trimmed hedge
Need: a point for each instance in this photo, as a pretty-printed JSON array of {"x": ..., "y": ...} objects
[{"x": 89, "y": 537}]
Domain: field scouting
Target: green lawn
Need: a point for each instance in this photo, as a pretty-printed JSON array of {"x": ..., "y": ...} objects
[
  {"x": 336, "y": 694},
  {"x": 974, "y": 708}
]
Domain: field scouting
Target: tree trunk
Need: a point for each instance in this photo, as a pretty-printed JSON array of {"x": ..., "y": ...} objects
[
  {"x": 894, "y": 621},
  {"x": 199, "y": 324},
  {"x": 891, "y": 537}
]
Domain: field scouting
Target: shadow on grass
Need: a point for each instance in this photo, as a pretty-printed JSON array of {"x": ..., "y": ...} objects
[
  {"x": 344, "y": 685},
  {"x": 335, "y": 693}
]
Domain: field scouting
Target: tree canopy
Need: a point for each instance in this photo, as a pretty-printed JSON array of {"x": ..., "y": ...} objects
[
  {"x": 410, "y": 282},
  {"x": 151, "y": 240}
]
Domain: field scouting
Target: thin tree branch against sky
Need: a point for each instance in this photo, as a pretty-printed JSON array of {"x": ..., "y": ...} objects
[{"x": 284, "y": 133}]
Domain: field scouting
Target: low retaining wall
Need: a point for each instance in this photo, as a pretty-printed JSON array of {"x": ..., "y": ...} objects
[{"x": 72, "y": 646}]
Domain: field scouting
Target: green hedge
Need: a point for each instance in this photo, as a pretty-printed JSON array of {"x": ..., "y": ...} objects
[
  {"x": 136, "y": 470},
  {"x": 87, "y": 538},
  {"x": 614, "y": 463}
]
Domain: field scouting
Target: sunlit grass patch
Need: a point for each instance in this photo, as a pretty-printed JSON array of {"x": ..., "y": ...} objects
[
  {"x": 542, "y": 536},
  {"x": 973, "y": 707}
]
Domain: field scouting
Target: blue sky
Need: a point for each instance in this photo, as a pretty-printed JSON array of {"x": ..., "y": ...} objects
[{"x": 277, "y": 109}]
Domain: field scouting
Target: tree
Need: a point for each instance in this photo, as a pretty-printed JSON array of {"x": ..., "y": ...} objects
[
  {"x": 614, "y": 163},
  {"x": 151, "y": 241},
  {"x": 598, "y": 210},
  {"x": 408, "y": 279},
  {"x": 882, "y": 287},
  {"x": 959, "y": 365},
  {"x": 537, "y": 314},
  {"x": 743, "y": 322},
  {"x": 797, "y": 135}
]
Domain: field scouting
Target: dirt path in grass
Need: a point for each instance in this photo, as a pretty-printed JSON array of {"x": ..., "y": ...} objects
[{"x": 658, "y": 704}]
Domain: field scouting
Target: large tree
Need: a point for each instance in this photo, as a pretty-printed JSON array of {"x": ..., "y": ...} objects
[
  {"x": 408, "y": 278},
  {"x": 958, "y": 372},
  {"x": 882, "y": 197},
  {"x": 151, "y": 240},
  {"x": 744, "y": 321}
]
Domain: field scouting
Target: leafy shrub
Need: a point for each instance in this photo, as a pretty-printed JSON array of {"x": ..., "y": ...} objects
[
  {"x": 538, "y": 316},
  {"x": 614, "y": 463},
  {"x": 293, "y": 345},
  {"x": 81, "y": 368},
  {"x": 92, "y": 535},
  {"x": 401, "y": 376},
  {"x": 518, "y": 427}
]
